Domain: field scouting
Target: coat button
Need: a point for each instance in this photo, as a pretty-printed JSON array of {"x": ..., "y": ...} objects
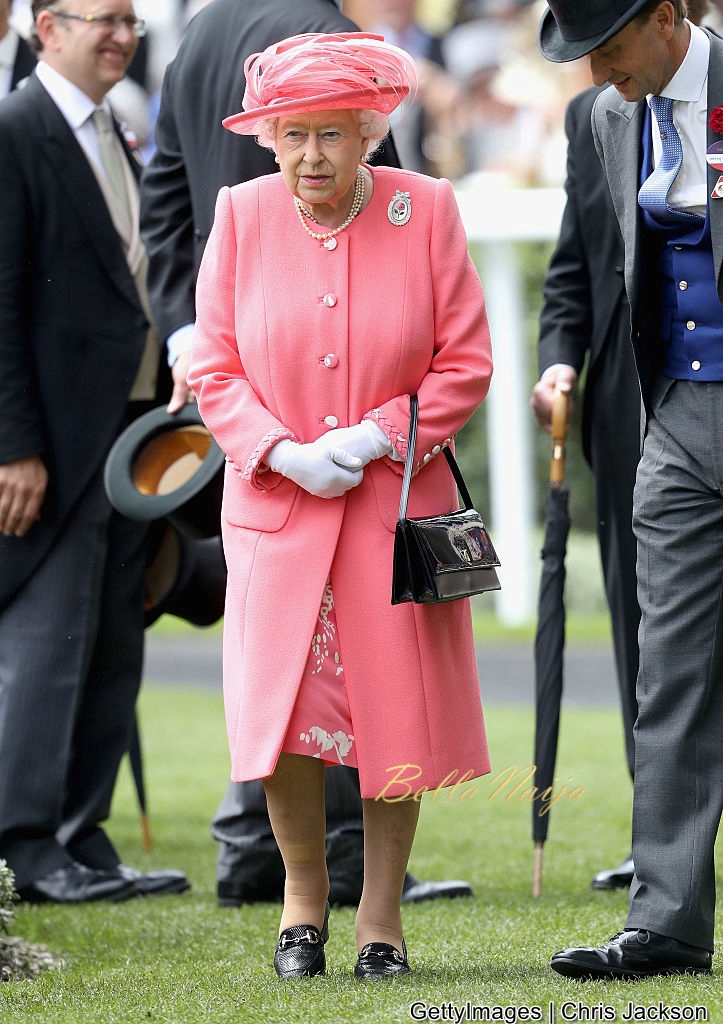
[
  {"x": 331, "y": 360},
  {"x": 331, "y": 421},
  {"x": 683, "y": 285},
  {"x": 329, "y": 300},
  {"x": 436, "y": 450},
  {"x": 691, "y": 325},
  {"x": 695, "y": 365}
]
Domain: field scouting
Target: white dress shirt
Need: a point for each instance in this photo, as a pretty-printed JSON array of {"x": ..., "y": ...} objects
[
  {"x": 689, "y": 89},
  {"x": 77, "y": 108}
]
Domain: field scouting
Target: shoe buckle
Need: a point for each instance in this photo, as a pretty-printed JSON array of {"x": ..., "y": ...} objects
[
  {"x": 393, "y": 953},
  {"x": 311, "y": 937}
]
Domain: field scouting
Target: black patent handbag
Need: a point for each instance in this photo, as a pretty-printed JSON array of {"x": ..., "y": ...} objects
[{"x": 440, "y": 558}]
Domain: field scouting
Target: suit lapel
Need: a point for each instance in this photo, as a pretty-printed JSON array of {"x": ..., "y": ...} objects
[
  {"x": 623, "y": 152},
  {"x": 83, "y": 195}
]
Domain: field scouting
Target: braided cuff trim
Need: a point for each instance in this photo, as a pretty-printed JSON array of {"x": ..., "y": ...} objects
[{"x": 255, "y": 467}]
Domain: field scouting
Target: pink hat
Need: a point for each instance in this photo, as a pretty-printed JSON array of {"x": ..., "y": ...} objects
[{"x": 344, "y": 71}]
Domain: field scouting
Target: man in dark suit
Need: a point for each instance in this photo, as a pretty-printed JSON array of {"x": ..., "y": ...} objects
[
  {"x": 665, "y": 181},
  {"x": 586, "y": 317},
  {"x": 194, "y": 158},
  {"x": 16, "y": 57},
  {"x": 77, "y": 360}
]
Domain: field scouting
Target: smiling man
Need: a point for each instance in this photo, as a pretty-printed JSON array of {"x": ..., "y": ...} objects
[
  {"x": 77, "y": 361},
  {"x": 660, "y": 149}
]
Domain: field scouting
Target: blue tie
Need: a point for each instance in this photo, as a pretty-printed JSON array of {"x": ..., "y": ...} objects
[{"x": 653, "y": 194}]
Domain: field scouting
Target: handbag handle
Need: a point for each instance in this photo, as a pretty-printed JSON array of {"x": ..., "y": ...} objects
[{"x": 409, "y": 463}]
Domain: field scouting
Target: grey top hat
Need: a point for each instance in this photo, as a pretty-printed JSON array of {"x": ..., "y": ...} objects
[
  {"x": 571, "y": 28},
  {"x": 168, "y": 465}
]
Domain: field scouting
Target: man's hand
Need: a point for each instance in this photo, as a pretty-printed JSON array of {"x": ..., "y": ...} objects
[
  {"x": 181, "y": 391},
  {"x": 559, "y": 377},
  {"x": 22, "y": 488}
]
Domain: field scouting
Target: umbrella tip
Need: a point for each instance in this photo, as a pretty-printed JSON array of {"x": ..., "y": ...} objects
[
  {"x": 537, "y": 870},
  {"x": 146, "y": 831}
]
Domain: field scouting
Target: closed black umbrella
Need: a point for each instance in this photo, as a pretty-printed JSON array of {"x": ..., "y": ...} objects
[{"x": 550, "y": 636}]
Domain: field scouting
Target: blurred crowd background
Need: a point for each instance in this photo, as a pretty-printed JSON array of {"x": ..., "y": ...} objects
[{"x": 488, "y": 104}]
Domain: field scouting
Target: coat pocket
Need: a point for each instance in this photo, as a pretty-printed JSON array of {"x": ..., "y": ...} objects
[{"x": 266, "y": 511}]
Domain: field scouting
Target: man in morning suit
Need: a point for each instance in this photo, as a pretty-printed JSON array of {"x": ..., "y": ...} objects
[
  {"x": 195, "y": 157},
  {"x": 651, "y": 128},
  {"x": 586, "y": 315},
  {"x": 77, "y": 360}
]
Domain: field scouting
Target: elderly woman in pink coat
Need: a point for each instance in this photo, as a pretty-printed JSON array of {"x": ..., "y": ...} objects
[{"x": 328, "y": 294}]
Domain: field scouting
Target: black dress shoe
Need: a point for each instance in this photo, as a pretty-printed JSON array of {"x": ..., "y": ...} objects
[
  {"x": 300, "y": 950},
  {"x": 633, "y": 954},
  {"x": 415, "y": 891},
  {"x": 154, "y": 883},
  {"x": 78, "y": 884},
  {"x": 616, "y": 878},
  {"x": 381, "y": 960}
]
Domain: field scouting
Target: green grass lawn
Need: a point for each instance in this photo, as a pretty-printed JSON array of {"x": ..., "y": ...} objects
[{"x": 181, "y": 960}]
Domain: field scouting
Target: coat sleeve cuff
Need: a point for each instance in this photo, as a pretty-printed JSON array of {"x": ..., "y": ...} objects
[{"x": 256, "y": 473}]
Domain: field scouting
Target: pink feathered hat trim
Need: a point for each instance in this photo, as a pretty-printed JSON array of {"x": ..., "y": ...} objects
[{"x": 312, "y": 72}]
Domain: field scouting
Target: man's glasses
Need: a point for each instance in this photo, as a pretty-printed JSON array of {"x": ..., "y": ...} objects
[{"x": 111, "y": 22}]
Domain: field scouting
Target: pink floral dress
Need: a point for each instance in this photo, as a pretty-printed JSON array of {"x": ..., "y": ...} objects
[{"x": 320, "y": 724}]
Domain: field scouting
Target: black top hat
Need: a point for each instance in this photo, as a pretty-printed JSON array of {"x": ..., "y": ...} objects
[
  {"x": 168, "y": 465},
  {"x": 571, "y": 28},
  {"x": 185, "y": 576}
]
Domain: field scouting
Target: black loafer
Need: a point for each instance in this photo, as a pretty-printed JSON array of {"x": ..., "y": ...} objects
[
  {"x": 615, "y": 878},
  {"x": 415, "y": 891},
  {"x": 381, "y": 960},
  {"x": 154, "y": 883},
  {"x": 78, "y": 884},
  {"x": 630, "y": 955},
  {"x": 300, "y": 950}
]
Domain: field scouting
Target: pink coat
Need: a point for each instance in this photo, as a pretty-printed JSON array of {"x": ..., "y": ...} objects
[{"x": 291, "y": 339}]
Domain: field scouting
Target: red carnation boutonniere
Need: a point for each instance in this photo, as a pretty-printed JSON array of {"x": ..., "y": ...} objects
[
  {"x": 716, "y": 119},
  {"x": 131, "y": 140}
]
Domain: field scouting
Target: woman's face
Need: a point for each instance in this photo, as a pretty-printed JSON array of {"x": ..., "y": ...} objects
[{"x": 319, "y": 154}]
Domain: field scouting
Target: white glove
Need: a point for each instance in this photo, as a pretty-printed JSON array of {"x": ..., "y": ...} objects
[
  {"x": 320, "y": 468},
  {"x": 366, "y": 440}
]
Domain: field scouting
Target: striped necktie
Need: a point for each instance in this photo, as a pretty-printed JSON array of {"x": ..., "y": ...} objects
[{"x": 653, "y": 194}]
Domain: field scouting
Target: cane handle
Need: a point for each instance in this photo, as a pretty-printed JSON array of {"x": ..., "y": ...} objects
[{"x": 559, "y": 433}]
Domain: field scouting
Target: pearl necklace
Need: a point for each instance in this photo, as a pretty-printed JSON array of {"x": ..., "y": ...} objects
[{"x": 328, "y": 238}]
